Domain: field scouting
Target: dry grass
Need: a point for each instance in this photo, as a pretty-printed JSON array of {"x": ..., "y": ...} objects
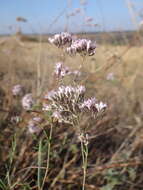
[{"x": 115, "y": 148}]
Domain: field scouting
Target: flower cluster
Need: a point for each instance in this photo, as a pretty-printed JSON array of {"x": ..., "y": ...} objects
[
  {"x": 82, "y": 46},
  {"x": 61, "y": 71},
  {"x": 17, "y": 90},
  {"x": 91, "y": 105},
  {"x": 66, "y": 94},
  {"x": 67, "y": 102},
  {"x": 60, "y": 40},
  {"x": 27, "y": 102}
]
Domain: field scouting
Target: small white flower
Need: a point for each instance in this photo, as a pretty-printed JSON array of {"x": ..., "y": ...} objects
[
  {"x": 17, "y": 90},
  {"x": 58, "y": 68},
  {"x": 27, "y": 102},
  {"x": 100, "y": 106},
  {"x": 89, "y": 103},
  {"x": 110, "y": 76},
  {"x": 15, "y": 119},
  {"x": 89, "y": 19},
  {"x": 37, "y": 119},
  {"x": 33, "y": 127},
  {"x": 65, "y": 71},
  {"x": 80, "y": 89},
  {"x": 92, "y": 106},
  {"x": 76, "y": 73},
  {"x": 46, "y": 107},
  {"x": 50, "y": 95},
  {"x": 58, "y": 116}
]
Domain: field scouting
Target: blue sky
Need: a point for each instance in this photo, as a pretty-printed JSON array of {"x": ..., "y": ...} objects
[{"x": 51, "y": 15}]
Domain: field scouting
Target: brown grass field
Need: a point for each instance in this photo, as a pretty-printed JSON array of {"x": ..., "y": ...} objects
[{"x": 115, "y": 160}]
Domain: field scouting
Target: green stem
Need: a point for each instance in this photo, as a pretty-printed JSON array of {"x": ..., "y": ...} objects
[
  {"x": 82, "y": 152},
  {"x": 39, "y": 164},
  {"x": 85, "y": 166},
  {"x": 48, "y": 156}
]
